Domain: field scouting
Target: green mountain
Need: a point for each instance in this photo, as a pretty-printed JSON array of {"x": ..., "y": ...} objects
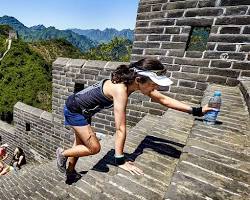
[
  {"x": 24, "y": 76},
  {"x": 40, "y": 32},
  {"x": 4, "y": 34},
  {"x": 118, "y": 49},
  {"x": 51, "y": 49},
  {"x": 106, "y": 35}
]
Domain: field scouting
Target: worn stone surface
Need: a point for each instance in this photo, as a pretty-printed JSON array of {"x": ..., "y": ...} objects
[{"x": 215, "y": 162}]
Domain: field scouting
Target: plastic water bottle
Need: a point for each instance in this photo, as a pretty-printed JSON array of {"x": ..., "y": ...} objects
[{"x": 214, "y": 102}]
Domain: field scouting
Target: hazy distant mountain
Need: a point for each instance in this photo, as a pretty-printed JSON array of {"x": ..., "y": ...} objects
[
  {"x": 40, "y": 32},
  {"x": 106, "y": 35},
  {"x": 38, "y": 27}
]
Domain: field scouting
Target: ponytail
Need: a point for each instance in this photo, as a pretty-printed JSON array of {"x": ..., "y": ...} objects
[
  {"x": 126, "y": 73},
  {"x": 123, "y": 74}
]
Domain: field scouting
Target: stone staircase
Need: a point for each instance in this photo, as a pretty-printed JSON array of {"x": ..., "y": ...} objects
[
  {"x": 181, "y": 158},
  {"x": 215, "y": 163}
]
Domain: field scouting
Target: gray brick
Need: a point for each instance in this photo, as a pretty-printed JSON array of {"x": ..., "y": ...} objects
[
  {"x": 165, "y": 59},
  {"x": 233, "y": 3},
  {"x": 201, "y": 86},
  {"x": 176, "y": 53},
  {"x": 229, "y": 38},
  {"x": 242, "y": 20},
  {"x": 140, "y": 37},
  {"x": 173, "y": 67},
  {"x": 220, "y": 72},
  {"x": 246, "y": 30},
  {"x": 226, "y": 47},
  {"x": 146, "y": 45},
  {"x": 245, "y": 73},
  {"x": 232, "y": 82},
  {"x": 89, "y": 71},
  {"x": 95, "y": 64},
  {"x": 143, "y": 9},
  {"x": 155, "y": 52},
  {"x": 230, "y": 30},
  {"x": 190, "y": 84},
  {"x": 156, "y": 7},
  {"x": 142, "y": 24},
  {"x": 195, "y": 62},
  {"x": 179, "y": 5},
  {"x": 180, "y": 38},
  {"x": 216, "y": 79},
  {"x": 150, "y": 16},
  {"x": 185, "y": 90},
  {"x": 210, "y": 46},
  {"x": 194, "y": 22},
  {"x": 186, "y": 29},
  {"x": 240, "y": 10},
  {"x": 220, "y": 64},
  {"x": 149, "y": 30},
  {"x": 172, "y": 30},
  {"x": 193, "y": 54},
  {"x": 159, "y": 37},
  {"x": 163, "y": 22},
  {"x": 173, "y": 45},
  {"x": 204, "y": 12},
  {"x": 241, "y": 65},
  {"x": 190, "y": 69},
  {"x": 77, "y": 63},
  {"x": 217, "y": 55},
  {"x": 175, "y": 13},
  {"x": 60, "y": 61},
  {"x": 137, "y": 51},
  {"x": 206, "y": 3},
  {"x": 189, "y": 76},
  {"x": 245, "y": 48}
]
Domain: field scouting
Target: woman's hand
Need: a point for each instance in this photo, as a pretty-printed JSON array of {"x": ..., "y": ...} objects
[
  {"x": 206, "y": 109},
  {"x": 131, "y": 168}
]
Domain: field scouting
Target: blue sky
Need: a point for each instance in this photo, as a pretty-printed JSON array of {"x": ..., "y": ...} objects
[{"x": 83, "y": 14}]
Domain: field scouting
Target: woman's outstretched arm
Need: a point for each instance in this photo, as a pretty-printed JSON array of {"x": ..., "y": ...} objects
[{"x": 158, "y": 97}]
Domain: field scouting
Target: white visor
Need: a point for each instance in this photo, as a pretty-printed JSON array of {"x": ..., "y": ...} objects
[{"x": 159, "y": 80}]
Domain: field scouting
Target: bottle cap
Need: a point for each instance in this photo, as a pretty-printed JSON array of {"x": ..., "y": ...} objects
[{"x": 217, "y": 93}]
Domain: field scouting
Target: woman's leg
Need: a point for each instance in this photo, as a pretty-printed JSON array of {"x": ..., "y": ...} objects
[
  {"x": 86, "y": 143},
  {"x": 73, "y": 160}
]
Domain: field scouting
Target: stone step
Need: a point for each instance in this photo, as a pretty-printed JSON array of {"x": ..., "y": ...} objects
[
  {"x": 213, "y": 178},
  {"x": 235, "y": 141},
  {"x": 179, "y": 192},
  {"x": 217, "y": 148},
  {"x": 219, "y": 168},
  {"x": 204, "y": 188},
  {"x": 215, "y": 163}
]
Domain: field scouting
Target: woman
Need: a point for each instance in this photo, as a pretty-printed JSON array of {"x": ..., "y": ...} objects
[
  {"x": 18, "y": 158},
  {"x": 4, "y": 168},
  {"x": 145, "y": 76}
]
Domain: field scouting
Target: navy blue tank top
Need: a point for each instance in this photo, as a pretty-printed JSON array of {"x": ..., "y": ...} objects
[{"x": 89, "y": 100}]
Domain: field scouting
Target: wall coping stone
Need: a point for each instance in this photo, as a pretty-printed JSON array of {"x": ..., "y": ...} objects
[
  {"x": 7, "y": 127},
  {"x": 61, "y": 61},
  {"x": 81, "y": 63},
  {"x": 245, "y": 89},
  {"x": 34, "y": 111},
  {"x": 75, "y": 62}
]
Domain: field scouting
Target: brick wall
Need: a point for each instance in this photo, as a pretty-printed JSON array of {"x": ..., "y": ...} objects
[
  {"x": 162, "y": 31},
  {"x": 7, "y": 133},
  {"x": 38, "y": 133}
]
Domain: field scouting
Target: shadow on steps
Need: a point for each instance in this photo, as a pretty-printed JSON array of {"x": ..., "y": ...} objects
[{"x": 159, "y": 145}]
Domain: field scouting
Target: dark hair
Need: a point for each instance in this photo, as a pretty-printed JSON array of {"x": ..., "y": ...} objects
[{"x": 126, "y": 74}]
